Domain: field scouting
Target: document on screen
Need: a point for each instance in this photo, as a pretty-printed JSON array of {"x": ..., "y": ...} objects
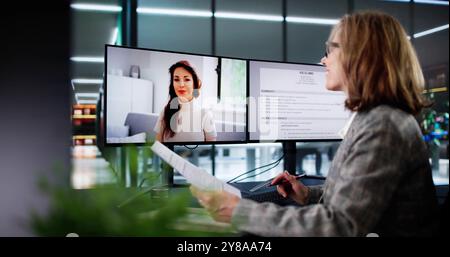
[
  {"x": 193, "y": 174},
  {"x": 294, "y": 103}
]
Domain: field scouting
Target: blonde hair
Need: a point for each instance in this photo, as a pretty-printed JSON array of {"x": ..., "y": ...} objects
[{"x": 379, "y": 63}]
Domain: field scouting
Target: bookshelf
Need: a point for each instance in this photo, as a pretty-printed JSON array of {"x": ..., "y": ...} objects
[{"x": 83, "y": 124}]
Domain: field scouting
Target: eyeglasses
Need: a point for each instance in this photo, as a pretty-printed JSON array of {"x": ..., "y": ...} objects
[{"x": 328, "y": 47}]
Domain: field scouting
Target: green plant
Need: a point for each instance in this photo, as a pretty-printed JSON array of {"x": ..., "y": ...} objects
[{"x": 114, "y": 210}]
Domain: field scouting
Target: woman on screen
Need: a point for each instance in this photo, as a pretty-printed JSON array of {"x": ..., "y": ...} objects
[
  {"x": 380, "y": 178},
  {"x": 183, "y": 119}
]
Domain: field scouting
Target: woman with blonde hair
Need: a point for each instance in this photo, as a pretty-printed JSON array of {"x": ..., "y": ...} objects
[{"x": 380, "y": 178}]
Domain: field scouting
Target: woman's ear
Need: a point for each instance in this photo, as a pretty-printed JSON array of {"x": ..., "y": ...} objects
[
  {"x": 196, "y": 93},
  {"x": 197, "y": 90}
]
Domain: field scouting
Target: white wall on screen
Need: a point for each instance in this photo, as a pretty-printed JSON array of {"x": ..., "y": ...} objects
[
  {"x": 154, "y": 66},
  {"x": 123, "y": 58}
]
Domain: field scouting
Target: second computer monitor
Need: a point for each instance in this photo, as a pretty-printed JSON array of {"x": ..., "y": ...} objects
[{"x": 290, "y": 102}]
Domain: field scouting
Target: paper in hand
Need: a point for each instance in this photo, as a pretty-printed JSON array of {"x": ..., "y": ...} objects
[{"x": 193, "y": 174}]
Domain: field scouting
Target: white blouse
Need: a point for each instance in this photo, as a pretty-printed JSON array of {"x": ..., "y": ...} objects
[
  {"x": 343, "y": 132},
  {"x": 191, "y": 123}
]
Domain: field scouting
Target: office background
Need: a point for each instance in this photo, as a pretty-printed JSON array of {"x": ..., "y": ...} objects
[
  {"x": 61, "y": 52},
  {"x": 279, "y": 30}
]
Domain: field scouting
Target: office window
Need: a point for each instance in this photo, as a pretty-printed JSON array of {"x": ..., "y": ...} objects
[
  {"x": 314, "y": 158},
  {"x": 237, "y": 36},
  {"x": 234, "y": 160},
  {"x": 200, "y": 156},
  {"x": 306, "y": 41},
  {"x": 399, "y": 10},
  {"x": 246, "y": 38},
  {"x": 181, "y": 32},
  {"x": 432, "y": 50},
  {"x": 306, "y": 44},
  {"x": 91, "y": 30},
  {"x": 253, "y": 39}
]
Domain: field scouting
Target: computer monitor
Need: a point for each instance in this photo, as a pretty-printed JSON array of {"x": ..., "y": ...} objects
[
  {"x": 173, "y": 97},
  {"x": 289, "y": 102}
]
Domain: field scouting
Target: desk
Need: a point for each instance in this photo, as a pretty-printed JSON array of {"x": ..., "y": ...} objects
[
  {"x": 244, "y": 187},
  {"x": 199, "y": 220}
]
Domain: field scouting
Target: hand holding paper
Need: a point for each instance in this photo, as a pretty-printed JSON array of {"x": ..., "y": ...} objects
[{"x": 193, "y": 174}]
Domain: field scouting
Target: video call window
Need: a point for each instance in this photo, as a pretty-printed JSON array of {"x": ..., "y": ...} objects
[{"x": 173, "y": 97}]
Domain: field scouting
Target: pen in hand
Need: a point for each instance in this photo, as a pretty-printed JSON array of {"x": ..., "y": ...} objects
[
  {"x": 269, "y": 183},
  {"x": 281, "y": 181}
]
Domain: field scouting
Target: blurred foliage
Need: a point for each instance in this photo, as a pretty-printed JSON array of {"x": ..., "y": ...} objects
[
  {"x": 234, "y": 80},
  {"x": 114, "y": 210},
  {"x": 434, "y": 126}
]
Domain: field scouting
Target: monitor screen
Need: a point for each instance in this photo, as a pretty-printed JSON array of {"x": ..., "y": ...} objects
[
  {"x": 173, "y": 97},
  {"x": 290, "y": 102}
]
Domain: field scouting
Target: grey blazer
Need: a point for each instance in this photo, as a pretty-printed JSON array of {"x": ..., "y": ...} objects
[{"x": 379, "y": 182}]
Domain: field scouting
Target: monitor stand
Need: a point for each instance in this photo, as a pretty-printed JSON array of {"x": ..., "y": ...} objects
[
  {"x": 167, "y": 170},
  {"x": 290, "y": 156}
]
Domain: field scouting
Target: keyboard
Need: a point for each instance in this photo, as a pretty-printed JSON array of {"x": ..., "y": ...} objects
[
  {"x": 273, "y": 197},
  {"x": 263, "y": 195}
]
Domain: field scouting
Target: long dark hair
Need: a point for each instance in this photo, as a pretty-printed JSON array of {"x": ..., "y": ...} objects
[{"x": 173, "y": 106}]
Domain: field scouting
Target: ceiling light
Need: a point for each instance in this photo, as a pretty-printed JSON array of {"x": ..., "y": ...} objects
[
  {"x": 87, "y": 81},
  {"x": 433, "y": 30},
  {"x": 86, "y": 101},
  {"x": 96, "y": 7},
  {"x": 87, "y": 59},
  {"x": 177, "y": 12},
  {"x": 431, "y": 2},
  {"x": 87, "y": 95},
  {"x": 114, "y": 36},
  {"x": 312, "y": 20},
  {"x": 420, "y": 1},
  {"x": 402, "y": 1},
  {"x": 248, "y": 16}
]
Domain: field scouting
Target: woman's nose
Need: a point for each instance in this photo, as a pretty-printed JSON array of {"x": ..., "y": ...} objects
[{"x": 323, "y": 60}]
